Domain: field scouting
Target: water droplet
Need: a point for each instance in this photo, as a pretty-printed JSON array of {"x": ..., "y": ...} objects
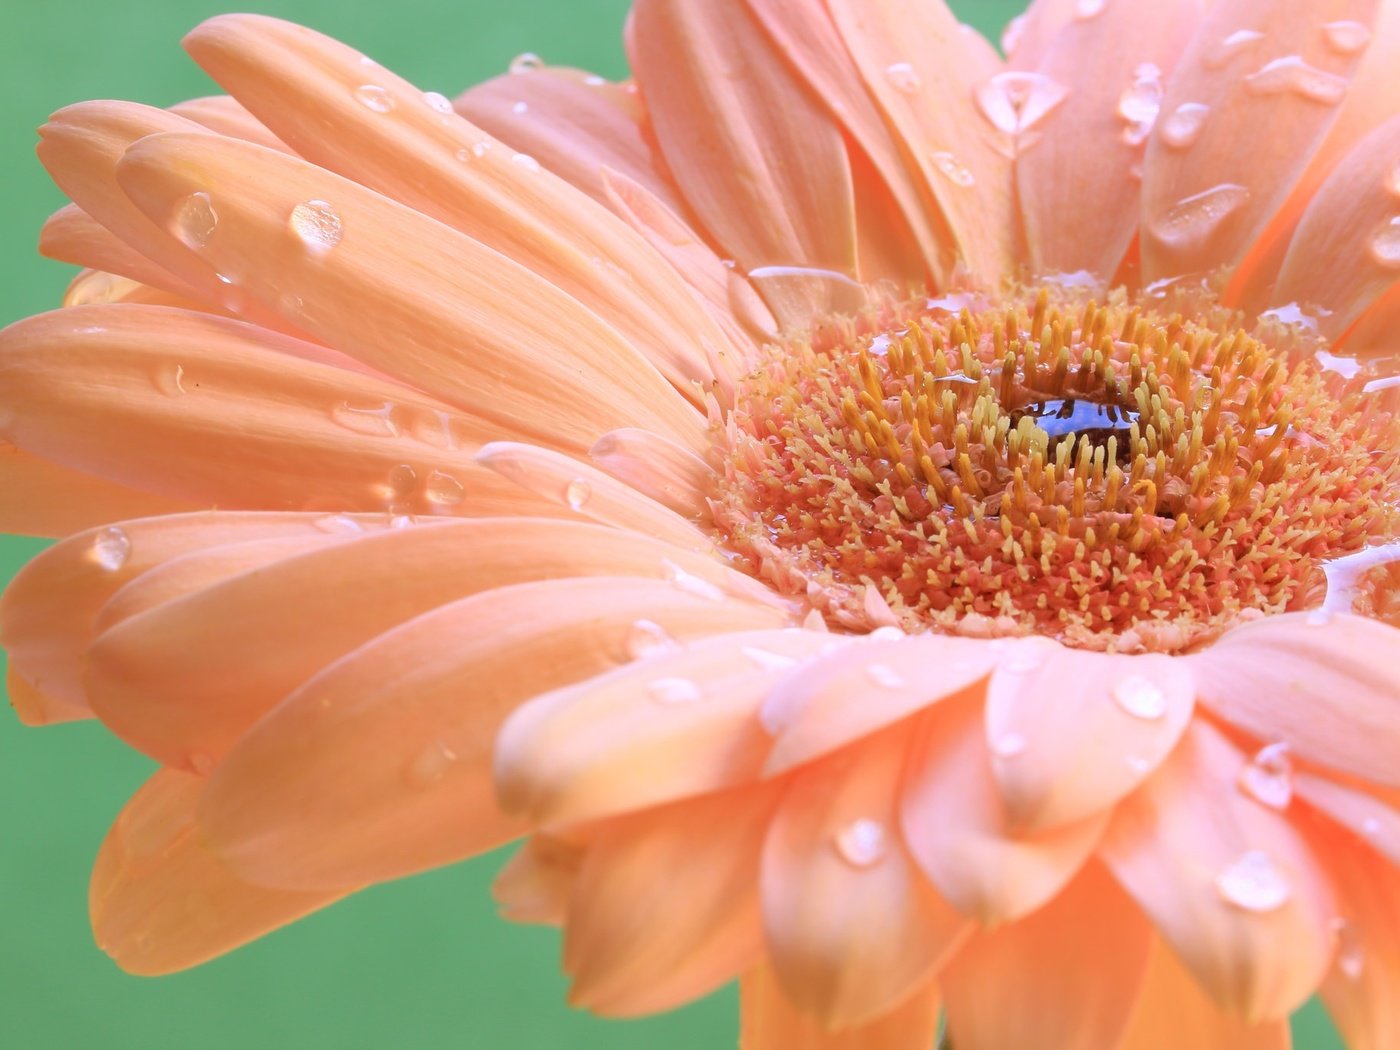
[
  {"x": 577, "y": 494},
  {"x": 525, "y": 63},
  {"x": 290, "y": 304},
  {"x": 1014, "y": 102},
  {"x": 464, "y": 154},
  {"x": 403, "y": 479},
  {"x": 1384, "y": 245},
  {"x": 1254, "y": 883},
  {"x": 111, "y": 547},
  {"x": 374, "y": 97},
  {"x": 1344, "y": 575},
  {"x": 1231, "y": 46},
  {"x": 402, "y": 521},
  {"x": 1198, "y": 217},
  {"x": 526, "y": 161},
  {"x": 862, "y": 842},
  {"x": 479, "y": 149},
  {"x": 594, "y": 80},
  {"x": 438, "y": 101},
  {"x": 648, "y": 638},
  {"x": 886, "y": 634},
  {"x": 429, "y": 767},
  {"x": 201, "y": 763},
  {"x": 374, "y": 420},
  {"x": 1140, "y": 103},
  {"x": 953, "y": 169},
  {"x": 317, "y": 225},
  {"x": 1292, "y": 74},
  {"x": 194, "y": 220},
  {"x": 1351, "y": 951},
  {"x": 689, "y": 582},
  {"x": 1139, "y": 763},
  {"x": 673, "y": 691},
  {"x": 1346, "y": 38},
  {"x": 1009, "y": 745},
  {"x": 1293, "y": 315},
  {"x": 766, "y": 660},
  {"x": 1268, "y": 777},
  {"x": 1371, "y": 827},
  {"x": 903, "y": 77},
  {"x": 1140, "y": 697},
  {"x": 170, "y": 379},
  {"x": 443, "y": 489},
  {"x": 1183, "y": 126},
  {"x": 1087, "y": 9},
  {"x": 844, "y": 295},
  {"x": 884, "y": 675},
  {"x": 1319, "y": 618},
  {"x": 1012, "y": 35},
  {"x": 339, "y": 524},
  {"x": 519, "y": 107}
]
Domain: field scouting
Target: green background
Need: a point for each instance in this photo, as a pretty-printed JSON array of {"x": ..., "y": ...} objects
[{"x": 423, "y": 962}]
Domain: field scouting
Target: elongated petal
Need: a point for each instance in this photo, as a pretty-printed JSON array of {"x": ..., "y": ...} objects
[
  {"x": 160, "y": 902},
  {"x": 1367, "y": 817},
  {"x": 957, "y": 827},
  {"x": 761, "y": 164},
  {"x": 309, "y": 89},
  {"x": 909, "y": 54},
  {"x": 858, "y": 689},
  {"x": 1075, "y": 167},
  {"x": 1029, "y": 37},
  {"x": 681, "y": 723},
  {"x": 381, "y": 764},
  {"x": 1113, "y": 720},
  {"x": 672, "y": 475},
  {"x": 1343, "y": 697},
  {"x": 35, "y": 708},
  {"x": 1231, "y": 885},
  {"x": 771, "y": 1022},
  {"x": 408, "y": 295},
  {"x": 1173, "y": 1012},
  {"x": 537, "y": 881},
  {"x": 71, "y": 235},
  {"x": 227, "y": 116},
  {"x": 1272, "y": 94},
  {"x": 633, "y": 950},
  {"x": 1066, "y": 977},
  {"x": 853, "y": 927}
]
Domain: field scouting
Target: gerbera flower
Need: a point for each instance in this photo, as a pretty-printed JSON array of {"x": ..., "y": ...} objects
[{"x": 909, "y": 529}]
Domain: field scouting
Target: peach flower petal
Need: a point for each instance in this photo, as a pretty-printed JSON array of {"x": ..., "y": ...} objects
[
  {"x": 1373, "y": 336},
  {"x": 227, "y": 116},
  {"x": 1030, "y": 36},
  {"x": 381, "y": 764},
  {"x": 1174, "y": 1013},
  {"x": 853, "y": 927},
  {"x": 534, "y": 886},
  {"x": 682, "y": 722},
  {"x": 762, "y": 166},
  {"x": 176, "y": 684},
  {"x": 1273, "y": 93},
  {"x": 1066, "y": 977},
  {"x": 910, "y": 54},
  {"x": 309, "y": 88},
  {"x": 1230, "y": 883},
  {"x": 771, "y": 1022},
  {"x": 859, "y": 688},
  {"x": 958, "y": 829},
  {"x": 669, "y": 473},
  {"x": 1337, "y": 672},
  {"x": 1113, "y": 719},
  {"x": 407, "y": 295},
  {"x": 34, "y": 708},
  {"x": 1075, "y": 165},
  {"x": 71, "y": 235},
  {"x": 1363, "y": 814},
  {"x": 1346, "y": 251},
  {"x": 160, "y": 902},
  {"x": 633, "y": 951}
]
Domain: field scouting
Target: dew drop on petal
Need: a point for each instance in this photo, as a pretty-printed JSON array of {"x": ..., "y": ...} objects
[
  {"x": 375, "y": 420},
  {"x": 438, "y": 101},
  {"x": 1254, "y": 883},
  {"x": 1268, "y": 777},
  {"x": 861, "y": 843},
  {"x": 1345, "y": 37},
  {"x": 767, "y": 660},
  {"x": 339, "y": 524},
  {"x": 648, "y": 638},
  {"x": 1231, "y": 46},
  {"x": 1140, "y": 697},
  {"x": 1139, "y": 763},
  {"x": 1087, "y": 9},
  {"x": 674, "y": 691},
  {"x": 953, "y": 169},
  {"x": 479, "y": 149},
  {"x": 1318, "y": 618},
  {"x": 317, "y": 225},
  {"x": 577, "y": 493},
  {"x": 403, "y": 479},
  {"x": 1292, "y": 74},
  {"x": 884, "y": 675},
  {"x": 1351, "y": 952},
  {"x": 443, "y": 490},
  {"x": 1009, "y": 745},
  {"x": 526, "y": 62},
  {"x": 688, "y": 582},
  {"x": 374, "y": 97},
  {"x": 1012, "y": 35},
  {"x": 1198, "y": 217},
  {"x": 1182, "y": 127},
  {"x": 526, "y": 161},
  {"x": 903, "y": 77},
  {"x": 194, "y": 220},
  {"x": 464, "y": 154},
  {"x": 1384, "y": 245},
  {"x": 886, "y": 634},
  {"x": 170, "y": 379},
  {"x": 429, "y": 767},
  {"x": 520, "y": 107},
  {"x": 1014, "y": 102},
  {"x": 594, "y": 80},
  {"x": 402, "y": 521},
  {"x": 111, "y": 547}
]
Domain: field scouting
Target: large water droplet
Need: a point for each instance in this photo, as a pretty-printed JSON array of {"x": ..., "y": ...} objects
[
  {"x": 953, "y": 169},
  {"x": 648, "y": 638},
  {"x": 1351, "y": 951},
  {"x": 861, "y": 843},
  {"x": 317, "y": 225},
  {"x": 1232, "y": 45},
  {"x": 903, "y": 77},
  {"x": 111, "y": 548},
  {"x": 1292, "y": 74},
  {"x": 1346, "y": 38},
  {"x": 1384, "y": 245},
  {"x": 526, "y": 62},
  {"x": 1140, "y": 103},
  {"x": 884, "y": 675},
  {"x": 429, "y": 767},
  {"x": 339, "y": 525},
  {"x": 194, "y": 220},
  {"x": 375, "y": 420},
  {"x": 374, "y": 97},
  {"x": 1014, "y": 102},
  {"x": 443, "y": 489},
  {"x": 1254, "y": 883},
  {"x": 1140, "y": 697},
  {"x": 1268, "y": 777},
  {"x": 524, "y": 160},
  {"x": 403, "y": 479},
  {"x": 1196, "y": 218},
  {"x": 674, "y": 691},
  {"x": 438, "y": 101},
  {"x": 577, "y": 493},
  {"x": 1183, "y": 125},
  {"x": 1087, "y": 9},
  {"x": 170, "y": 379}
]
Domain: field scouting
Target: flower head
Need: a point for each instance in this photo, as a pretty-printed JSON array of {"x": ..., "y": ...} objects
[{"x": 911, "y": 529}]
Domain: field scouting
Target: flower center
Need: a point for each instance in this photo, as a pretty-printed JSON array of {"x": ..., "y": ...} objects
[{"x": 1111, "y": 475}]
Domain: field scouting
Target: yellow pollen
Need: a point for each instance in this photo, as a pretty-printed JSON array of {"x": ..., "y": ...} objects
[{"x": 1105, "y": 473}]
